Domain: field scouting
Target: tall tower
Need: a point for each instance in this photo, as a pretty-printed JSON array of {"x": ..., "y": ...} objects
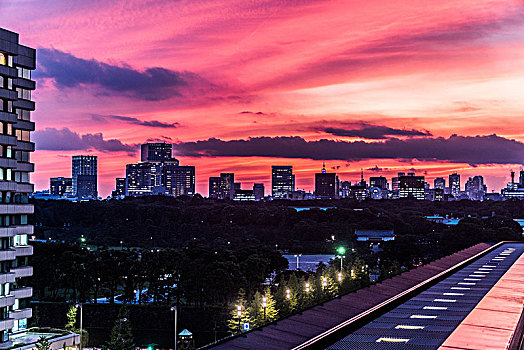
[
  {"x": 84, "y": 170},
  {"x": 282, "y": 180},
  {"x": 16, "y": 64},
  {"x": 454, "y": 185}
]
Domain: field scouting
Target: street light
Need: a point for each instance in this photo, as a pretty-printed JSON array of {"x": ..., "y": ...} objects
[
  {"x": 239, "y": 314},
  {"x": 341, "y": 251},
  {"x": 174, "y": 308},
  {"x": 288, "y": 294},
  {"x": 264, "y": 305},
  {"x": 339, "y": 277},
  {"x": 79, "y": 306},
  {"x": 324, "y": 282},
  {"x": 307, "y": 287},
  {"x": 297, "y": 256}
]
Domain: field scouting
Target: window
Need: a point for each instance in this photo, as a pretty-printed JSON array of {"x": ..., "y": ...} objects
[
  {"x": 3, "y": 59},
  {"x": 429, "y": 317},
  {"x": 403, "y": 326},
  {"x": 23, "y": 135},
  {"x": 392, "y": 340},
  {"x": 23, "y": 219},
  {"x": 22, "y": 114}
]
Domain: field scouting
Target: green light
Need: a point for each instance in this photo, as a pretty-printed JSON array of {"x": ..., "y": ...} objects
[
  {"x": 150, "y": 347},
  {"x": 341, "y": 250},
  {"x": 82, "y": 239}
]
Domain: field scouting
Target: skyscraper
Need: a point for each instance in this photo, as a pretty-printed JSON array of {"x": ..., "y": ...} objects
[
  {"x": 178, "y": 180},
  {"x": 282, "y": 181},
  {"x": 156, "y": 152},
  {"x": 140, "y": 180},
  {"x": 16, "y": 64},
  {"x": 475, "y": 188},
  {"x": 222, "y": 187},
  {"x": 61, "y": 186},
  {"x": 326, "y": 185},
  {"x": 439, "y": 183},
  {"x": 258, "y": 191},
  {"x": 411, "y": 186},
  {"x": 84, "y": 171},
  {"x": 454, "y": 185},
  {"x": 378, "y": 181},
  {"x": 120, "y": 187}
]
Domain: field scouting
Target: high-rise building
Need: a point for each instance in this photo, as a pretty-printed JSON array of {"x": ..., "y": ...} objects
[
  {"x": 222, "y": 187},
  {"x": 61, "y": 186},
  {"x": 411, "y": 186},
  {"x": 395, "y": 184},
  {"x": 378, "y": 181},
  {"x": 326, "y": 185},
  {"x": 282, "y": 181},
  {"x": 156, "y": 152},
  {"x": 258, "y": 191},
  {"x": 84, "y": 171},
  {"x": 178, "y": 180},
  {"x": 344, "y": 189},
  {"x": 140, "y": 180},
  {"x": 475, "y": 188},
  {"x": 454, "y": 185},
  {"x": 120, "y": 187},
  {"x": 16, "y": 64},
  {"x": 439, "y": 183}
]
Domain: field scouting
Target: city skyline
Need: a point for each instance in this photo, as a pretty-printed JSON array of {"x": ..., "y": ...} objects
[{"x": 237, "y": 88}]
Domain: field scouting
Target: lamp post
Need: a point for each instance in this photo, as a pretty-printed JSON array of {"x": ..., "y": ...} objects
[
  {"x": 239, "y": 315},
  {"x": 297, "y": 256},
  {"x": 174, "y": 308},
  {"x": 341, "y": 251},
  {"x": 264, "y": 306},
  {"x": 79, "y": 306}
]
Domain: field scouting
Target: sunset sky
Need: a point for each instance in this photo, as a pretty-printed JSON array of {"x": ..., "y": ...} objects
[{"x": 238, "y": 85}]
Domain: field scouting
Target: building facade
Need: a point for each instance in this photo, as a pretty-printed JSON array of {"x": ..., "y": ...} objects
[
  {"x": 61, "y": 186},
  {"x": 454, "y": 185},
  {"x": 282, "y": 181},
  {"x": 259, "y": 191},
  {"x": 178, "y": 180},
  {"x": 326, "y": 185},
  {"x": 156, "y": 152},
  {"x": 475, "y": 188},
  {"x": 411, "y": 186},
  {"x": 222, "y": 187},
  {"x": 16, "y": 64},
  {"x": 85, "y": 172},
  {"x": 439, "y": 183}
]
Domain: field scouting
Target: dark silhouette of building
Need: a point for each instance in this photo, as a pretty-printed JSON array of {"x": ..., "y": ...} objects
[
  {"x": 120, "y": 187},
  {"x": 61, "y": 186},
  {"x": 178, "y": 180},
  {"x": 258, "y": 191},
  {"x": 156, "y": 152},
  {"x": 475, "y": 188},
  {"x": 440, "y": 183},
  {"x": 378, "y": 181},
  {"x": 326, "y": 185},
  {"x": 411, "y": 186},
  {"x": 454, "y": 185},
  {"x": 282, "y": 181},
  {"x": 222, "y": 187},
  {"x": 85, "y": 172}
]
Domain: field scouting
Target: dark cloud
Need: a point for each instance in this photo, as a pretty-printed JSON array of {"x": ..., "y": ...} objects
[
  {"x": 256, "y": 113},
  {"x": 375, "y": 169},
  {"x": 52, "y": 139},
  {"x": 374, "y": 132},
  {"x": 491, "y": 149},
  {"x": 136, "y": 121},
  {"x": 152, "y": 84}
]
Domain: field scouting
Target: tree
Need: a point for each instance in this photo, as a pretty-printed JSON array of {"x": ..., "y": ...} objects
[
  {"x": 234, "y": 323},
  {"x": 43, "y": 344},
  {"x": 121, "y": 336},
  {"x": 71, "y": 319}
]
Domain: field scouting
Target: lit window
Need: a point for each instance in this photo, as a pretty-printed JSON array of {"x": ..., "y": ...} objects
[
  {"x": 467, "y": 283},
  {"x": 403, "y": 326},
  {"x": 392, "y": 340},
  {"x": 491, "y": 266},
  {"x": 454, "y": 294},
  {"x": 477, "y": 275},
  {"x": 435, "y": 308},
  {"x": 423, "y": 316},
  {"x": 472, "y": 279},
  {"x": 445, "y": 300},
  {"x": 3, "y": 60}
]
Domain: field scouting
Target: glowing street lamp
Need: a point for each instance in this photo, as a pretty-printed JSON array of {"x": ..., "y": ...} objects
[
  {"x": 341, "y": 251},
  {"x": 324, "y": 282},
  {"x": 307, "y": 287},
  {"x": 297, "y": 256},
  {"x": 264, "y": 305},
  {"x": 288, "y": 294},
  {"x": 339, "y": 276},
  {"x": 239, "y": 315},
  {"x": 352, "y": 273}
]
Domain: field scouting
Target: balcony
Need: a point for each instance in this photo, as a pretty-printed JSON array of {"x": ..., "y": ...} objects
[
  {"x": 7, "y": 254},
  {"x": 9, "y": 72},
  {"x": 24, "y": 166},
  {"x": 16, "y": 209},
  {"x": 7, "y": 300},
  {"x": 24, "y": 83},
  {"x": 20, "y": 314},
  {"x": 25, "y": 146},
  {"x": 8, "y": 140},
  {"x": 8, "y": 163},
  {"x": 24, "y": 188},
  {"x": 24, "y": 104},
  {"x": 23, "y": 271},
  {"x": 23, "y": 250},
  {"x": 8, "y": 186},
  {"x": 20, "y": 293},
  {"x": 8, "y": 117},
  {"x": 8, "y": 94},
  {"x": 25, "y": 125},
  {"x": 7, "y": 277},
  {"x": 7, "y": 324},
  {"x": 12, "y": 231}
]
